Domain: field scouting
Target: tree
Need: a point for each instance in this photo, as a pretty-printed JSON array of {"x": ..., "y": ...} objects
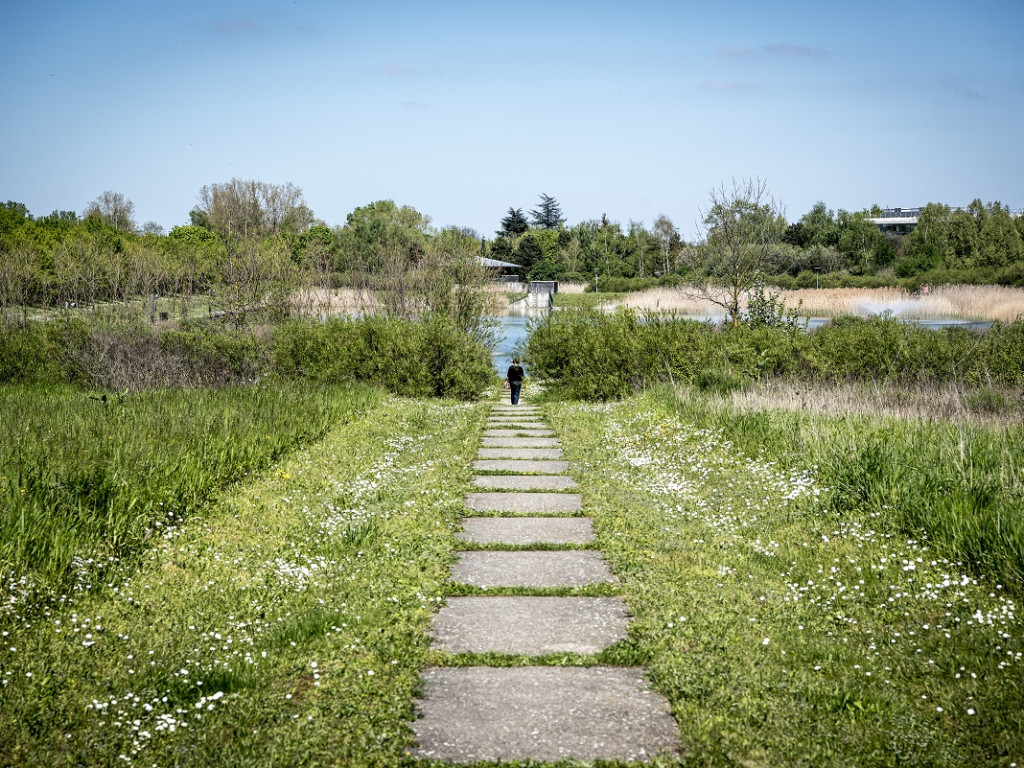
[
  {"x": 247, "y": 208},
  {"x": 667, "y": 235},
  {"x": 514, "y": 224},
  {"x": 1000, "y": 241},
  {"x": 743, "y": 227},
  {"x": 549, "y": 214},
  {"x": 114, "y": 209}
]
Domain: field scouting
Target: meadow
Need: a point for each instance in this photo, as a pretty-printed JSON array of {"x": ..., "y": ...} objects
[
  {"x": 798, "y": 592},
  {"x": 822, "y": 570}
]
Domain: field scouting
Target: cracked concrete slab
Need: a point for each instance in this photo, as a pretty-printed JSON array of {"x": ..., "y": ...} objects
[
  {"x": 530, "y": 626},
  {"x": 576, "y": 568},
  {"x": 527, "y": 530},
  {"x": 472, "y": 714}
]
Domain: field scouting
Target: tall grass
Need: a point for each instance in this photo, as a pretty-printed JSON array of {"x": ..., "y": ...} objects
[
  {"x": 959, "y": 485},
  {"x": 87, "y": 479}
]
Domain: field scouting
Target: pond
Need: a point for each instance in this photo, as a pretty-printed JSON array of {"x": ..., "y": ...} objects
[{"x": 512, "y": 331}]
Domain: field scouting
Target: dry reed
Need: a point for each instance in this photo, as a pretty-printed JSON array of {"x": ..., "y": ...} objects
[
  {"x": 963, "y": 302},
  {"x": 946, "y": 402}
]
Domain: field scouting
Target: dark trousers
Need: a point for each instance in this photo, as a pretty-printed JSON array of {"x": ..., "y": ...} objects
[{"x": 513, "y": 390}]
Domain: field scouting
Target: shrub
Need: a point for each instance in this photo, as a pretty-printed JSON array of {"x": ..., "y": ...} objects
[{"x": 427, "y": 358}]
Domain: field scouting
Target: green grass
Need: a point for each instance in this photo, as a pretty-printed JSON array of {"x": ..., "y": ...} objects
[
  {"x": 285, "y": 624},
  {"x": 787, "y": 623},
  {"x": 88, "y": 479},
  {"x": 794, "y": 589}
]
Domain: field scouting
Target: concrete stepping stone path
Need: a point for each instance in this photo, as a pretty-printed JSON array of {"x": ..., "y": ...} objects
[
  {"x": 538, "y": 713},
  {"x": 542, "y": 713},
  {"x": 572, "y": 568},
  {"x": 520, "y": 442},
  {"x": 533, "y": 432}
]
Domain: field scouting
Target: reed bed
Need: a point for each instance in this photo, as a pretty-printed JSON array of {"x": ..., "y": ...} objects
[{"x": 993, "y": 303}]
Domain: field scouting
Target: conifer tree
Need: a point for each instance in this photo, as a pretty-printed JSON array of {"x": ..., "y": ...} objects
[{"x": 549, "y": 214}]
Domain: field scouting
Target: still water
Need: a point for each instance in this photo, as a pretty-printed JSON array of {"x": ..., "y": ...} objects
[{"x": 512, "y": 331}]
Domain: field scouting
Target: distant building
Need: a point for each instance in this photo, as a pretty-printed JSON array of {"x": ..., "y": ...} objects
[{"x": 899, "y": 221}]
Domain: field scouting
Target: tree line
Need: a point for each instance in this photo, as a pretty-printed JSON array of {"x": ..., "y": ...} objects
[{"x": 253, "y": 245}]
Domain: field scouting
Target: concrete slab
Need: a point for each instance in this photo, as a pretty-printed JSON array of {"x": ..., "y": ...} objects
[
  {"x": 519, "y": 453},
  {"x": 472, "y": 714},
  {"x": 520, "y": 442},
  {"x": 515, "y": 424},
  {"x": 517, "y": 432},
  {"x": 525, "y": 483},
  {"x": 527, "y": 531},
  {"x": 526, "y": 466},
  {"x": 500, "y": 501},
  {"x": 530, "y": 626},
  {"x": 509, "y": 408},
  {"x": 531, "y": 569}
]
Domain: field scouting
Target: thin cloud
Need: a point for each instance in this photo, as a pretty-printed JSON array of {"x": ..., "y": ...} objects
[
  {"x": 734, "y": 52},
  {"x": 787, "y": 50},
  {"x": 968, "y": 93}
]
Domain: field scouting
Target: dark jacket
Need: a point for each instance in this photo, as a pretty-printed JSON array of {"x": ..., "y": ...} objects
[{"x": 515, "y": 373}]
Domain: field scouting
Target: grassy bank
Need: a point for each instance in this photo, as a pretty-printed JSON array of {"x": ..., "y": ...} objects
[
  {"x": 793, "y": 594},
  {"x": 284, "y": 624}
]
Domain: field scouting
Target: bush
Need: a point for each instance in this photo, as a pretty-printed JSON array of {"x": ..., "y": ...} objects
[
  {"x": 589, "y": 355},
  {"x": 429, "y": 358}
]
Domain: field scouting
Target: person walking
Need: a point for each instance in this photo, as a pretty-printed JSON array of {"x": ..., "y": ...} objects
[{"x": 514, "y": 380}]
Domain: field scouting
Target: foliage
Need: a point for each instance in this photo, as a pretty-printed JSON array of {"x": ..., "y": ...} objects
[
  {"x": 432, "y": 358},
  {"x": 743, "y": 227},
  {"x": 862, "y": 635},
  {"x": 514, "y": 224},
  {"x": 548, "y": 215},
  {"x": 249, "y": 208},
  {"x": 591, "y": 355}
]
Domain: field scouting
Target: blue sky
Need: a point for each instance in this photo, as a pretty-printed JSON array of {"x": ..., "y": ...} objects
[{"x": 462, "y": 109}]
